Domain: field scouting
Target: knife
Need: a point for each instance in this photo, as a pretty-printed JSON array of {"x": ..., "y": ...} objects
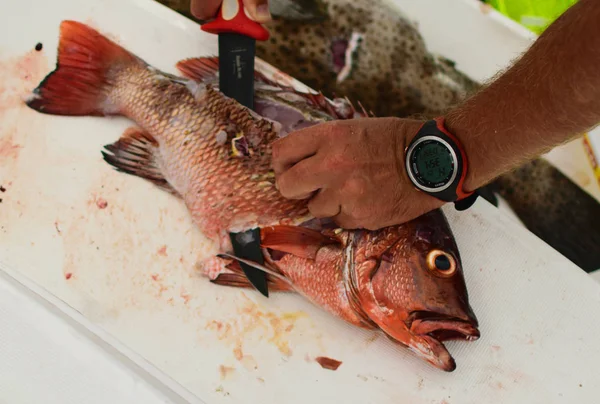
[{"x": 238, "y": 34}]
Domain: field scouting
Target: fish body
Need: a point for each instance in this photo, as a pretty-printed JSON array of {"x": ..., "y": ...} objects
[{"x": 214, "y": 154}]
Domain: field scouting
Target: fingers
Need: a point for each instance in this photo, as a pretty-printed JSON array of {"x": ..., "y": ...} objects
[
  {"x": 295, "y": 147},
  {"x": 304, "y": 178},
  {"x": 324, "y": 204},
  {"x": 258, "y": 10},
  {"x": 207, "y": 9},
  {"x": 204, "y": 9}
]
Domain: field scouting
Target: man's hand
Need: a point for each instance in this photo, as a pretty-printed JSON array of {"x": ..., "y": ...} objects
[
  {"x": 207, "y": 9},
  {"x": 354, "y": 171}
]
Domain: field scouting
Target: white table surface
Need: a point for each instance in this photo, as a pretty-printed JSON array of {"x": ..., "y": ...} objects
[{"x": 131, "y": 265}]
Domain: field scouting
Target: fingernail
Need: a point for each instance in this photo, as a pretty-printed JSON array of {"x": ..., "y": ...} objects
[{"x": 262, "y": 12}]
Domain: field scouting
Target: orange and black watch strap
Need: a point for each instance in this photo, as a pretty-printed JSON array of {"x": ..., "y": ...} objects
[{"x": 437, "y": 164}]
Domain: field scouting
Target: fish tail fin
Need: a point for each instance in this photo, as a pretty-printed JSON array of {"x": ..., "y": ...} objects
[
  {"x": 81, "y": 82},
  {"x": 238, "y": 279}
]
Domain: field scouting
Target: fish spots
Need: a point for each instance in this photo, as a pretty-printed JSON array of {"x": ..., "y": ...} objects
[
  {"x": 328, "y": 363},
  {"x": 162, "y": 251}
]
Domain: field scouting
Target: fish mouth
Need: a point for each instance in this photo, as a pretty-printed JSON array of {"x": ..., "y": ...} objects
[{"x": 433, "y": 329}]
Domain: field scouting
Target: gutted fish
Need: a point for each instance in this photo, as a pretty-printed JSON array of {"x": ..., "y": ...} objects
[{"x": 214, "y": 154}]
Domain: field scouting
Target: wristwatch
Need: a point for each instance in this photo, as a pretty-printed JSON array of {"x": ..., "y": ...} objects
[{"x": 436, "y": 164}]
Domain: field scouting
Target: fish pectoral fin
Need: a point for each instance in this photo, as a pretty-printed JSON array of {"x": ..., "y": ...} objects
[
  {"x": 298, "y": 241},
  {"x": 135, "y": 153},
  {"x": 278, "y": 281}
]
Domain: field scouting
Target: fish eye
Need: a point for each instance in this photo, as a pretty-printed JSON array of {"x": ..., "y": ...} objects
[{"x": 441, "y": 263}]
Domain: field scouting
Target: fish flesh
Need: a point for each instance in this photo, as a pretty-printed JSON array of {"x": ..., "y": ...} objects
[{"x": 214, "y": 154}]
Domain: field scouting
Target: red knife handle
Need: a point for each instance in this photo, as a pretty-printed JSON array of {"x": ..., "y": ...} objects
[{"x": 233, "y": 18}]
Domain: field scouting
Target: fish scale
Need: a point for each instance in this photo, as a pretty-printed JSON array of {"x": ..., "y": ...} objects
[{"x": 210, "y": 114}]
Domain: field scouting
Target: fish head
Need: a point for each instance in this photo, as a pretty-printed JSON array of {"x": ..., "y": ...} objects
[{"x": 415, "y": 290}]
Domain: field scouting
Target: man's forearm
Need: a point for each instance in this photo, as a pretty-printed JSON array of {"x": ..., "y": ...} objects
[{"x": 549, "y": 96}]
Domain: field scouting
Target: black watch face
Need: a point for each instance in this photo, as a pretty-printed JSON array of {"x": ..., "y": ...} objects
[{"x": 432, "y": 163}]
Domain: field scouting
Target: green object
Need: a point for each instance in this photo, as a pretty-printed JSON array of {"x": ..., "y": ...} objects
[{"x": 536, "y": 15}]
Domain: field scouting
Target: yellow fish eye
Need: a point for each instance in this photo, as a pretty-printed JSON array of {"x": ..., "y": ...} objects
[{"x": 441, "y": 263}]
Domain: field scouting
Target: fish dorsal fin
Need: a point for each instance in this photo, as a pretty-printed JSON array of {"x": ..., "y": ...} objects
[
  {"x": 350, "y": 279},
  {"x": 199, "y": 69},
  {"x": 206, "y": 69},
  {"x": 298, "y": 241}
]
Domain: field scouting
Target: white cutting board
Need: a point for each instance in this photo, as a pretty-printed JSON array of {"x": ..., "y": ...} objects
[
  {"x": 47, "y": 345},
  {"x": 130, "y": 265}
]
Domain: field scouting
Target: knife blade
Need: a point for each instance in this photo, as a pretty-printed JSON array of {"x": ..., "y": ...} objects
[{"x": 238, "y": 34}]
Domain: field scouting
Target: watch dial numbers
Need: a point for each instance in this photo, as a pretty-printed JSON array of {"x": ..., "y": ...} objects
[{"x": 433, "y": 163}]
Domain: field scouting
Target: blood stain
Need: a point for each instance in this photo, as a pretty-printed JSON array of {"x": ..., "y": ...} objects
[
  {"x": 101, "y": 203},
  {"x": 225, "y": 371},
  {"x": 162, "y": 251},
  {"x": 154, "y": 277},
  {"x": 185, "y": 296},
  {"x": 237, "y": 351},
  {"x": 328, "y": 363},
  {"x": 9, "y": 149},
  {"x": 68, "y": 275}
]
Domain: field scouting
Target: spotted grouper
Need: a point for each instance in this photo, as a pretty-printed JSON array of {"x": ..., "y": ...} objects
[{"x": 203, "y": 147}]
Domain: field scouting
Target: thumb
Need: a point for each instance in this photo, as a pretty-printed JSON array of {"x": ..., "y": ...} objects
[
  {"x": 258, "y": 10},
  {"x": 205, "y": 9}
]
